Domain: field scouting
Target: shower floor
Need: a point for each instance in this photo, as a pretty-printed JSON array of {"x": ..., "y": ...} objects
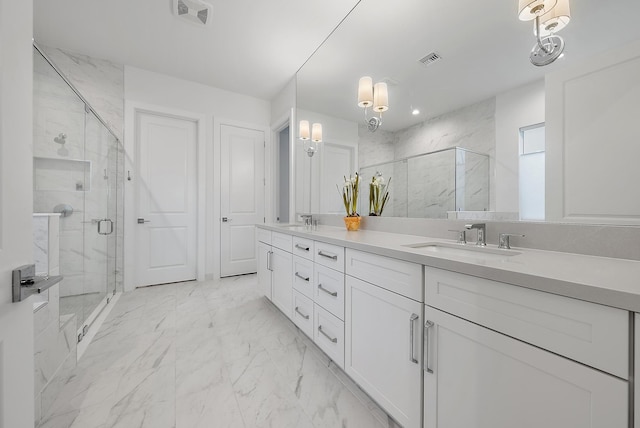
[{"x": 82, "y": 305}]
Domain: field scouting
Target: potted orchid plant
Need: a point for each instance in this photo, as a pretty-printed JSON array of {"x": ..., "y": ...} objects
[
  {"x": 349, "y": 194},
  {"x": 378, "y": 194}
]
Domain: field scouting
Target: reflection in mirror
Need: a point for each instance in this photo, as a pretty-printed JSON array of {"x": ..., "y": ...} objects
[
  {"x": 440, "y": 184},
  {"x": 471, "y": 85}
]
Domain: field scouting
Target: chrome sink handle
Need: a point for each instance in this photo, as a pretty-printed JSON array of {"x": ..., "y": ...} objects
[
  {"x": 462, "y": 235},
  {"x": 504, "y": 242}
]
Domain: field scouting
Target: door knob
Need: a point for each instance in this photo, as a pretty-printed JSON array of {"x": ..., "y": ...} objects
[
  {"x": 225, "y": 219},
  {"x": 142, "y": 221}
]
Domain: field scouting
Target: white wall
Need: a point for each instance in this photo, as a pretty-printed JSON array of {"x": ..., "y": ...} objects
[
  {"x": 283, "y": 107},
  {"x": 218, "y": 107},
  {"x": 282, "y": 103},
  {"x": 515, "y": 109}
]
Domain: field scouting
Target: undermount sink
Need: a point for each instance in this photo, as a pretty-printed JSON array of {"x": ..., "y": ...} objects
[{"x": 446, "y": 249}]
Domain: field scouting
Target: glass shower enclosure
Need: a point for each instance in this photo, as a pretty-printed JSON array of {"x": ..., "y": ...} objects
[{"x": 76, "y": 166}]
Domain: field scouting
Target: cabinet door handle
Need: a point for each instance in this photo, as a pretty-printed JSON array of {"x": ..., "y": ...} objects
[
  {"x": 301, "y": 314},
  {"x": 328, "y": 255},
  {"x": 412, "y": 339},
  {"x": 427, "y": 328},
  {"x": 302, "y": 277},
  {"x": 333, "y": 339},
  {"x": 300, "y": 247},
  {"x": 331, "y": 293},
  {"x": 269, "y": 254}
]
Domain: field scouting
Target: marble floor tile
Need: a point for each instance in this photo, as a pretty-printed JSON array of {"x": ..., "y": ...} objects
[
  {"x": 142, "y": 415},
  {"x": 207, "y": 354}
]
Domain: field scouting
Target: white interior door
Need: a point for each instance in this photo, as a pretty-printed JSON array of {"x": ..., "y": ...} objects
[
  {"x": 166, "y": 199},
  {"x": 16, "y": 202},
  {"x": 241, "y": 199}
]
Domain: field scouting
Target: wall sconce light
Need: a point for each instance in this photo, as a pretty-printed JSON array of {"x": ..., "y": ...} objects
[
  {"x": 549, "y": 16},
  {"x": 373, "y": 95},
  {"x": 311, "y": 140}
]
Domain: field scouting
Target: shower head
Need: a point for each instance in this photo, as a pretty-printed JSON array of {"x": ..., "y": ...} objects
[{"x": 61, "y": 138}]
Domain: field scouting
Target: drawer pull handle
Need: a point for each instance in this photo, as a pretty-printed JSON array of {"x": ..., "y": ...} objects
[
  {"x": 427, "y": 328},
  {"x": 333, "y": 339},
  {"x": 331, "y": 293},
  {"x": 328, "y": 255},
  {"x": 302, "y": 314},
  {"x": 412, "y": 322},
  {"x": 300, "y": 247},
  {"x": 302, "y": 277}
]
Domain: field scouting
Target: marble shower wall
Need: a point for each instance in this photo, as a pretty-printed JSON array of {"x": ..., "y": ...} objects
[
  {"x": 471, "y": 127},
  {"x": 101, "y": 82}
]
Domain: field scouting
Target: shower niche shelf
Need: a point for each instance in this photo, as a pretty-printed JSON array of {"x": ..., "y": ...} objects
[{"x": 61, "y": 174}]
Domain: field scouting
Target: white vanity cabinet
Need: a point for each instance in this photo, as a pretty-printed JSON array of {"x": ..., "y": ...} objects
[
  {"x": 487, "y": 360},
  {"x": 383, "y": 334},
  {"x": 275, "y": 263},
  {"x": 263, "y": 250},
  {"x": 282, "y": 280},
  {"x": 264, "y": 269}
]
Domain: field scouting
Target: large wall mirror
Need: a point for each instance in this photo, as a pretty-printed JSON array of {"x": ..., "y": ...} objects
[{"x": 473, "y": 129}]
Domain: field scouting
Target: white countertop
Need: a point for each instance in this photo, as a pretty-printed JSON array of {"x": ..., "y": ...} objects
[{"x": 607, "y": 281}]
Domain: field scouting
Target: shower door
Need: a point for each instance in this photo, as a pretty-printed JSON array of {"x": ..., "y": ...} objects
[{"x": 99, "y": 226}]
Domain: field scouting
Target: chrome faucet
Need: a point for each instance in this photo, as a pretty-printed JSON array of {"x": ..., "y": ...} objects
[
  {"x": 504, "y": 241},
  {"x": 482, "y": 233},
  {"x": 307, "y": 219}
]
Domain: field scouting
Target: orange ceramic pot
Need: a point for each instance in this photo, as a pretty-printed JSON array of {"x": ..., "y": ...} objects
[{"x": 352, "y": 223}]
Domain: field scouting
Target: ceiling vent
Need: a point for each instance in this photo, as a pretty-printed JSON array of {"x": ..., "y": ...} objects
[
  {"x": 194, "y": 11},
  {"x": 430, "y": 59}
]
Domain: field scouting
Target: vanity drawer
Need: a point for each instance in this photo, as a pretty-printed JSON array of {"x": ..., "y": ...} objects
[
  {"x": 303, "y": 247},
  {"x": 303, "y": 276},
  {"x": 329, "y": 255},
  {"x": 303, "y": 313},
  {"x": 264, "y": 236},
  {"x": 328, "y": 334},
  {"x": 399, "y": 276},
  {"x": 592, "y": 334},
  {"x": 282, "y": 241},
  {"x": 328, "y": 290}
]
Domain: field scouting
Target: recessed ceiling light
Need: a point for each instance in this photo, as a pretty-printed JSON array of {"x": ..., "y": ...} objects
[{"x": 415, "y": 112}]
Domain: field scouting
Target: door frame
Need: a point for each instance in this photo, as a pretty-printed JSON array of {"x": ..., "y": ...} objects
[
  {"x": 217, "y": 182},
  {"x": 273, "y": 162},
  {"x": 131, "y": 110}
]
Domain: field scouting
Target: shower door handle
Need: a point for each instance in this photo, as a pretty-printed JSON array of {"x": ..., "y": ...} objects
[{"x": 107, "y": 221}]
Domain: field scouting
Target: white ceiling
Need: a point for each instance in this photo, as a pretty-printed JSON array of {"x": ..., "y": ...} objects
[
  {"x": 252, "y": 47},
  {"x": 485, "y": 51}
]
